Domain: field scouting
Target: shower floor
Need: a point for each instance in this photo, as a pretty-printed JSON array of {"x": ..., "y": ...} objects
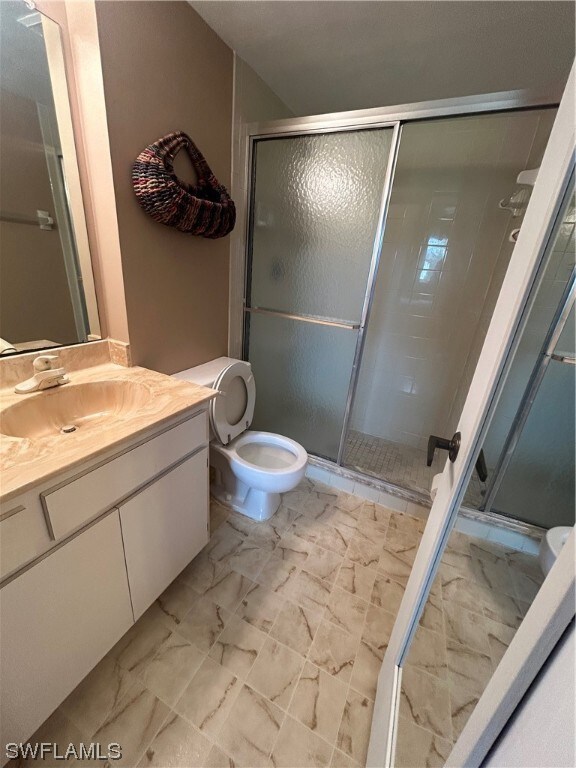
[
  {"x": 395, "y": 463},
  {"x": 401, "y": 465}
]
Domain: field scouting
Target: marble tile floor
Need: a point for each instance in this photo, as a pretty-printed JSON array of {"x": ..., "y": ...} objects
[
  {"x": 396, "y": 463},
  {"x": 477, "y": 603},
  {"x": 265, "y": 650}
]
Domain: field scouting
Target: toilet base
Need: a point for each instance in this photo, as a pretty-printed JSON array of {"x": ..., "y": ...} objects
[{"x": 257, "y": 505}]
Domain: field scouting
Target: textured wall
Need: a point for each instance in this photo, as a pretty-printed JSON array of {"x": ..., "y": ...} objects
[{"x": 166, "y": 70}]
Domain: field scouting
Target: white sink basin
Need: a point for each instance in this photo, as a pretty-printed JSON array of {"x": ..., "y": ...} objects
[{"x": 73, "y": 408}]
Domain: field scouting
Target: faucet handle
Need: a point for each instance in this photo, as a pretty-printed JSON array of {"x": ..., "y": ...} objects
[{"x": 45, "y": 362}]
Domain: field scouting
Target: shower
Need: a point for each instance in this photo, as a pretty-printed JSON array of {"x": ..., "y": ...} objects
[{"x": 376, "y": 251}]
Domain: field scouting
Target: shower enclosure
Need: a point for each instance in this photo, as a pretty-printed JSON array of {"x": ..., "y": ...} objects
[
  {"x": 530, "y": 443},
  {"x": 378, "y": 242}
]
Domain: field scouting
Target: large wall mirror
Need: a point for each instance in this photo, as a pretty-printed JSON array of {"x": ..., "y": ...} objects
[{"x": 47, "y": 293}]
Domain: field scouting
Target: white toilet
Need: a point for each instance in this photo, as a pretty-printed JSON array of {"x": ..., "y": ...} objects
[
  {"x": 252, "y": 468},
  {"x": 551, "y": 545}
]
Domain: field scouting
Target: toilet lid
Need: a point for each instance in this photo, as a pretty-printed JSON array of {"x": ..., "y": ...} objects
[{"x": 232, "y": 411}]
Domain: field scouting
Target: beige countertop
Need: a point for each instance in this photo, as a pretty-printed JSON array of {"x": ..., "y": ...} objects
[{"x": 26, "y": 462}]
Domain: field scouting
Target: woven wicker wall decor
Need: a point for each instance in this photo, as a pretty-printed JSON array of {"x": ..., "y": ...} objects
[{"x": 204, "y": 209}]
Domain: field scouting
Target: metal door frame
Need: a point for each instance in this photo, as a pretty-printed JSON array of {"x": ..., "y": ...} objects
[{"x": 386, "y": 117}]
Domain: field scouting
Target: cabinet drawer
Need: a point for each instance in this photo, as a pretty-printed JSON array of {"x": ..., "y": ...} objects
[
  {"x": 164, "y": 527},
  {"x": 23, "y": 535},
  {"x": 80, "y": 499},
  {"x": 57, "y": 620}
]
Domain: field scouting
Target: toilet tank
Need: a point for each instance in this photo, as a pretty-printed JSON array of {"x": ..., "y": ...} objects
[{"x": 207, "y": 373}]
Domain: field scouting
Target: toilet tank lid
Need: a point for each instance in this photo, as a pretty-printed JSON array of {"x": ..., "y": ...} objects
[{"x": 207, "y": 373}]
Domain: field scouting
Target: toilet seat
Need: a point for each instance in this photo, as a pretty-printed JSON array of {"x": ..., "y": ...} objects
[
  {"x": 268, "y": 452},
  {"x": 251, "y": 454},
  {"x": 232, "y": 411}
]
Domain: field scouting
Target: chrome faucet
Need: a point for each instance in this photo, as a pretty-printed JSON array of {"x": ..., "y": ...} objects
[{"x": 45, "y": 375}]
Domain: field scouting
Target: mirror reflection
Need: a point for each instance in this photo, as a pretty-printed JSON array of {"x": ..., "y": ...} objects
[
  {"x": 490, "y": 572},
  {"x": 46, "y": 284}
]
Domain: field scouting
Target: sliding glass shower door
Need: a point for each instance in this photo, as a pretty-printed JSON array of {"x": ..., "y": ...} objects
[{"x": 318, "y": 203}]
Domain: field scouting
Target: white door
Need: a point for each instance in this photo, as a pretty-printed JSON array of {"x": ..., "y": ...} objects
[{"x": 499, "y": 346}]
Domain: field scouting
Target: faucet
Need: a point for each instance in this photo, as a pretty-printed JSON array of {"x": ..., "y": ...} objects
[{"x": 45, "y": 375}]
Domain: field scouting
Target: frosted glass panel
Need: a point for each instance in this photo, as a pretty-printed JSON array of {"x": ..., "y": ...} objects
[
  {"x": 560, "y": 263},
  {"x": 316, "y": 205},
  {"x": 538, "y": 485},
  {"x": 302, "y": 373}
]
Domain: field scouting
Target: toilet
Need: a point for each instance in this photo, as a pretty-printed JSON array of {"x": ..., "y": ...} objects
[
  {"x": 551, "y": 545},
  {"x": 251, "y": 469}
]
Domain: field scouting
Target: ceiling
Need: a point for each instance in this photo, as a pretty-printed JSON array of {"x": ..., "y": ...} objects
[{"x": 325, "y": 56}]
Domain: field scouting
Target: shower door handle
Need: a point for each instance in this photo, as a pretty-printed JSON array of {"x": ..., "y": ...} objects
[{"x": 452, "y": 446}]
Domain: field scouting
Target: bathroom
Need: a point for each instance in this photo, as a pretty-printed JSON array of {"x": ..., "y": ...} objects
[{"x": 386, "y": 575}]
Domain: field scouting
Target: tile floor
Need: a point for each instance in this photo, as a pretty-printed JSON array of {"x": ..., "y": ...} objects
[
  {"x": 477, "y": 603},
  {"x": 265, "y": 650}
]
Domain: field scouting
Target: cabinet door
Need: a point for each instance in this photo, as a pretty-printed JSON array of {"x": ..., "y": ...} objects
[
  {"x": 164, "y": 527},
  {"x": 57, "y": 620}
]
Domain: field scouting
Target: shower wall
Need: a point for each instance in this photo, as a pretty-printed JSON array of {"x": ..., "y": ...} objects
[{"x": 444, "y": 257}]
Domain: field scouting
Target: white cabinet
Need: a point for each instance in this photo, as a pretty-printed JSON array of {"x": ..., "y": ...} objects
[
  {"x": 71, "y": 504},
  {"x": 57, "y": 621},
  {"x": 63, "y": 608},
  {"x": 164, "y": 526}
]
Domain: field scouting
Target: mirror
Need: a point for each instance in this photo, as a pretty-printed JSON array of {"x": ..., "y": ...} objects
[
  {"x": 47, "y": 293},
  {"x": 492, "y": 567}
]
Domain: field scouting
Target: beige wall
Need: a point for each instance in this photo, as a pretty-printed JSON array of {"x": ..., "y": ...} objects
[{"x": 165, "y": 70}]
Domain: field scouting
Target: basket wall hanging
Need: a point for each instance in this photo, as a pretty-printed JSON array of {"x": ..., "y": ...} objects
[{"x": 204, "y": 209}]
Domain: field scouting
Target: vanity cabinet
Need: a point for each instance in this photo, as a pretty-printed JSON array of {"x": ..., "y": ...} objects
[
  {"x": 86, "y": 556},
  {"x": 58, "y": 619},
  {"x": 164, "y": 526}
]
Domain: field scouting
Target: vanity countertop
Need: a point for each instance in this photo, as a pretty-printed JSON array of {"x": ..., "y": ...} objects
[{"x": 25, "y": 462}]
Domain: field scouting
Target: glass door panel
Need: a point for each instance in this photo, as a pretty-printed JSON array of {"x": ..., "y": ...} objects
[
  {"x": 538, "y": 485},
  {"x": 475, "y": 585},
  {"x": 302, "y": 373},
  {"x": 316, "y": 214},
  {"x": 445, "y": 252}
]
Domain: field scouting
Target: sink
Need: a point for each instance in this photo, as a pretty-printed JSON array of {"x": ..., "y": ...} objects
[{"x": 73, "y": 408}]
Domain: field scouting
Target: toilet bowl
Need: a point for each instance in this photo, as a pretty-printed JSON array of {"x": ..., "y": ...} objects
[
  {"x": 551, "y": 545},
  {"x": 251, "y": 468}
]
